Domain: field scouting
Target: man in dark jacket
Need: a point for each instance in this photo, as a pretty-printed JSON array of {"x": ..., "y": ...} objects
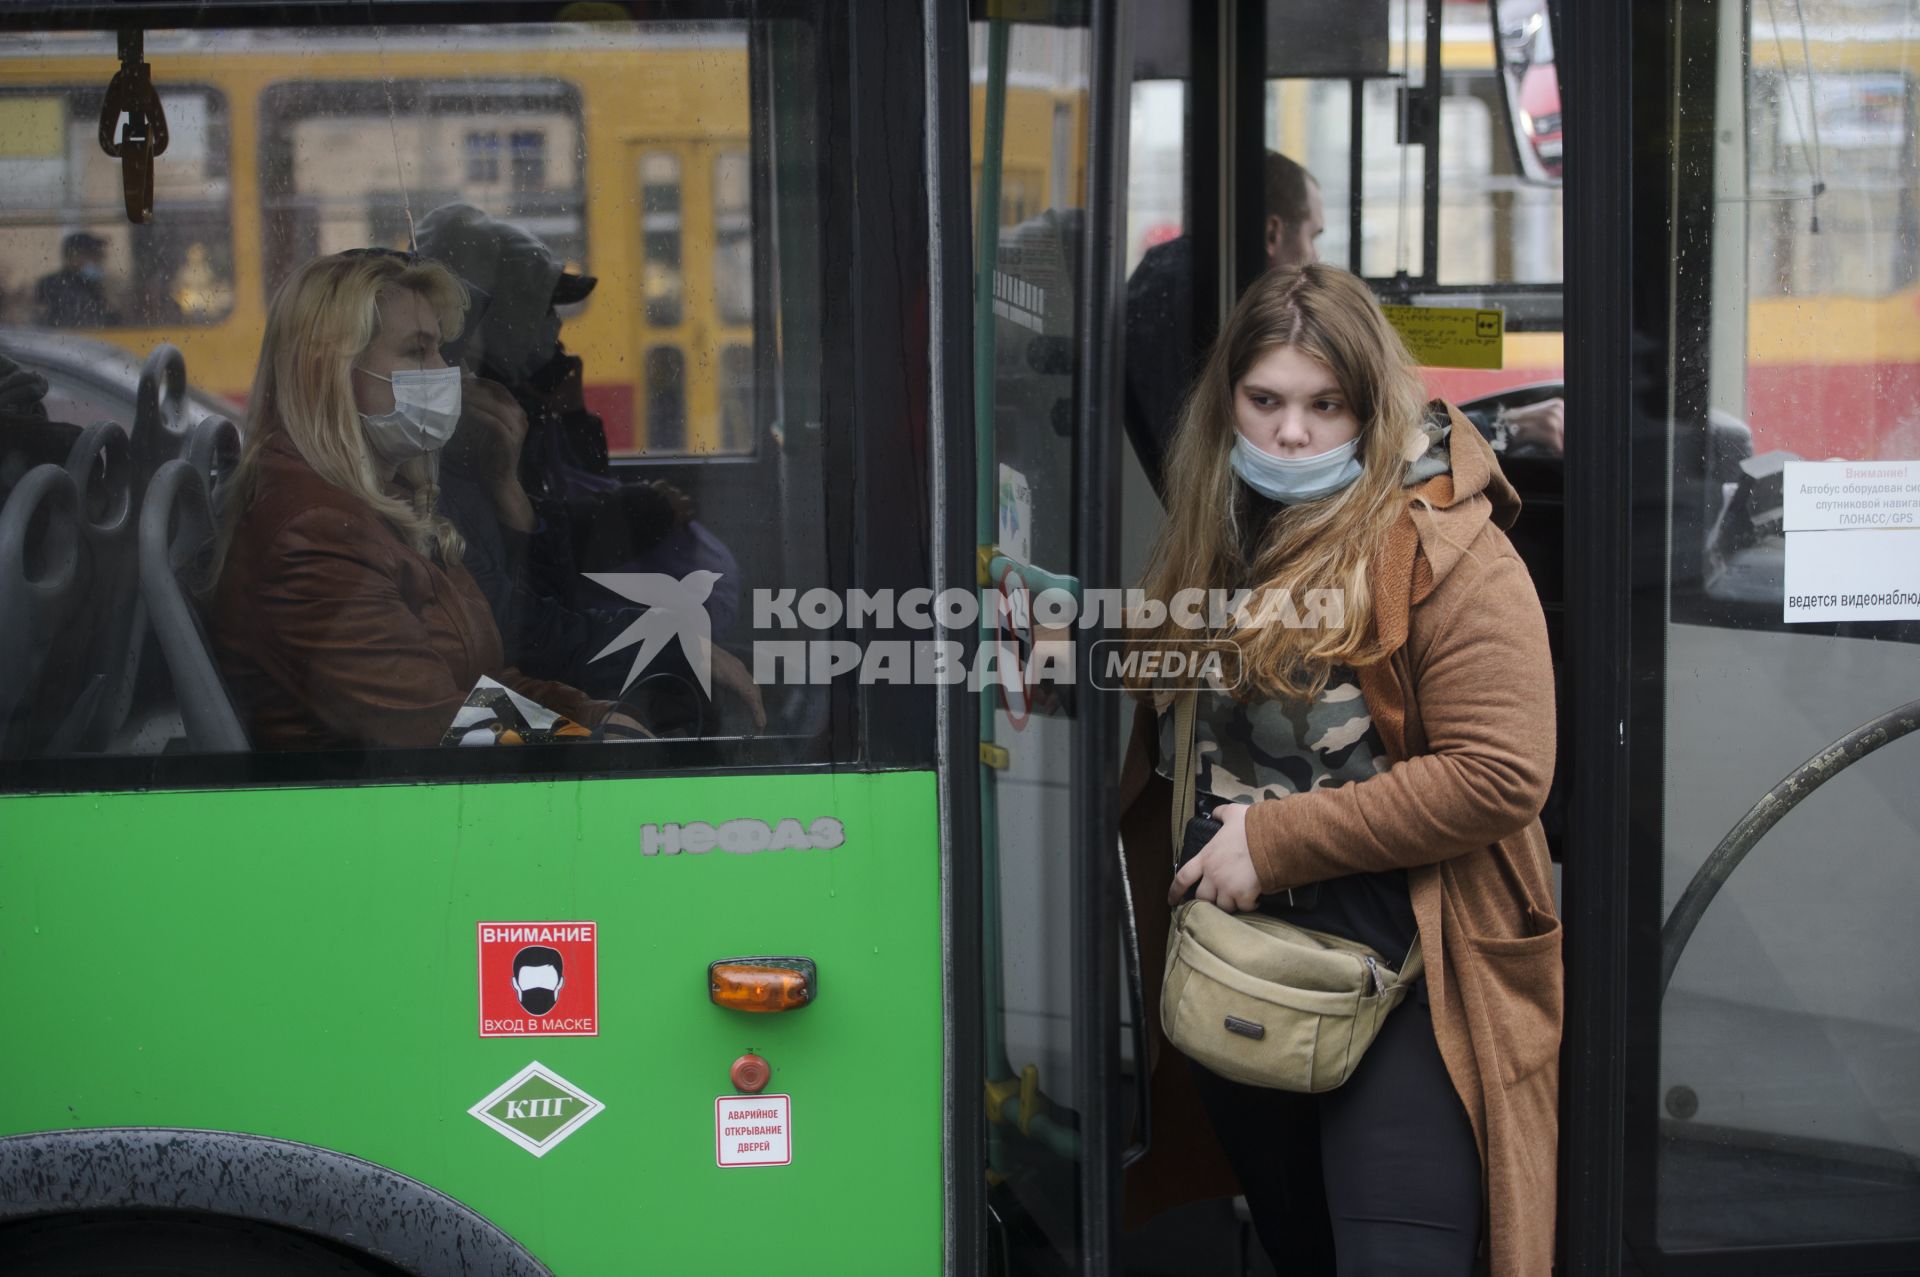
[
  {"x": 75, "y": 296},
  {"x": 527, "y": 478},
  {"x": 1163, "y": 347}
]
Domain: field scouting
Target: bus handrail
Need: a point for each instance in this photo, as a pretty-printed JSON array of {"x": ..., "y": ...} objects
[{"x": 1764, "y": 815}]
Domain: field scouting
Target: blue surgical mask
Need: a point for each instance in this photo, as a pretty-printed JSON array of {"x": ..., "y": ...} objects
[
  {"x": 92, "y": 272},
  {"x": 1292, "y": 480}
]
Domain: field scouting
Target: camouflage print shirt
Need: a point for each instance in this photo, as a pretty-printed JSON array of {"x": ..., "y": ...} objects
[{"x": 1269, "y": 748}]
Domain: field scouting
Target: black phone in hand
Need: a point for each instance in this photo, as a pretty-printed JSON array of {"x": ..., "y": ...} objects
[{"x": 1200, "y": 831}]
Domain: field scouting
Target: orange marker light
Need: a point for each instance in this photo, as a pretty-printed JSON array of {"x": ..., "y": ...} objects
[{"x": 763, "y": 984}]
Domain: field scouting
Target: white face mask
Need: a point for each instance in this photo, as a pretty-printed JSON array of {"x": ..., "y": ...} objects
[
  {"x": 426, "y": 408},
  {"x": 1291, "y": 480}
]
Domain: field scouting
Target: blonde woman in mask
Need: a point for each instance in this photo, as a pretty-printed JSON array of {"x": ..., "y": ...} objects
[
  {"x": 342, "y": 614},
  {"x": 1377, "y": 774}
]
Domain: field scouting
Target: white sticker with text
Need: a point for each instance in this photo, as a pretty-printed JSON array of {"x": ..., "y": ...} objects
[{"x": 753, "y": 1130}]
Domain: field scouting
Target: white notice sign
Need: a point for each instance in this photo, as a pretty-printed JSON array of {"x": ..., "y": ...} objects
[
  {"x": 1853, "y": 540},
  {"x": 753, "y": 1130}
]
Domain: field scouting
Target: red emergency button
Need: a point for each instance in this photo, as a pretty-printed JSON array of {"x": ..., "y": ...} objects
[{"x": 750, "y": 1074}]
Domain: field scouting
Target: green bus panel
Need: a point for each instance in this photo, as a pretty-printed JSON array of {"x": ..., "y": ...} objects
[{"x": 302, "y": 964}]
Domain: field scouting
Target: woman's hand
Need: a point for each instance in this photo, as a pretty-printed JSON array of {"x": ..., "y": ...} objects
[{"x": 1224, "y": 867}]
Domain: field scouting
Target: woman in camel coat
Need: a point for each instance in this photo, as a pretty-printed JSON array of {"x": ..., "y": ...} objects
[{"x": 1398, "y": 757}]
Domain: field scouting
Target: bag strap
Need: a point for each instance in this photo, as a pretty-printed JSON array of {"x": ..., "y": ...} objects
[
  {"x": 1185, "y": 707},
  {"x": 1415, "y": 964}
]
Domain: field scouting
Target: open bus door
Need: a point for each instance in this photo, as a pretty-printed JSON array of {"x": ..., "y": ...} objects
[
  {"x": 1737, "y": 287},
  {"x": 1045, "y": 276}
]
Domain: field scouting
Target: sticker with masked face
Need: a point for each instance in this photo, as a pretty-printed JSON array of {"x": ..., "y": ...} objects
[{"x": 539, "y": 979}]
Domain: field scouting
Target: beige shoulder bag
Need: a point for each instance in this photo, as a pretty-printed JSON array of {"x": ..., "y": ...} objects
[{"x": 1261, "y": 1001}]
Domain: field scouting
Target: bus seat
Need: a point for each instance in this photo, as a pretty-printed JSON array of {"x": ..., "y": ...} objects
[
  {"x": 213, "y": 449},
  {"x": 41, "y": 578},
  {"x": 176, "y": 539},
  {"x": 161, "y": 432},
  {"x": 76, "y": 677},
  {"x": 161, "y": 412}
]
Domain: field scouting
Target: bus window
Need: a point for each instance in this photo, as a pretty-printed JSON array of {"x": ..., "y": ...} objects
[
  {"x": 483, "y": 157},
  {"x": 1778, "y": 1060},
  {"x": 1496, "y": 234},
  {"x": 1156, "y": 204},
  {"x": 69, "y": 259},
  {"x": 1496, "y": 225},
  {"x": 732, "y": 238},
  {"x": 660, "y": 229},
  {"x": 666, "y": 399},
  {"x": 736, "y": 398},
  {"x": 1833, "y": 276},
  {"x": 607, "y": 290},
  {"x": 528, "y": 156},
  {"x": 480, "y": 142}
]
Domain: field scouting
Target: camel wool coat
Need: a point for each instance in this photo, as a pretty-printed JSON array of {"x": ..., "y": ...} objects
[{"x": 1464, "y": 705}]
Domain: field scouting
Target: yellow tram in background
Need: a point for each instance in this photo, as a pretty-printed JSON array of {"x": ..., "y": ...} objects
[{"x": 645, "y": 182}]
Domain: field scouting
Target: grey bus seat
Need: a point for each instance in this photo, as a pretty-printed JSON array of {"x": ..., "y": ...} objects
[
  {"x": 75, "y": 679},
  {"x": 176, "y": 541},
  {"x": 41, "y": 580},
  {"x": 162, "y": 413},
  {"x": 213, "y": 448},
  {"x": 161, "y": 432}
]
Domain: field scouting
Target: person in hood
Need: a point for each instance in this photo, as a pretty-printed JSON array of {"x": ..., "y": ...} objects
[
  {"x": 342, "y": 613},
  {"x": 529, "y": 484},
  {"x": 1378, "y": 773}
]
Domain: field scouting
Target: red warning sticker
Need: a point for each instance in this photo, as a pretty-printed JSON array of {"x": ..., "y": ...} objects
[{"x": 539, "y": 980}]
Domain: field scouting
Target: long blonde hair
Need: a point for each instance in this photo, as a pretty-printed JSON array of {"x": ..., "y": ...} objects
[
  {"x": 320, "y": 320},
  {"x": 1328, "y": 544}
]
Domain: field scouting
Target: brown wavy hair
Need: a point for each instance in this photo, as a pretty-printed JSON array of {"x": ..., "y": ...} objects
[{"x": 1328, "y": 544}]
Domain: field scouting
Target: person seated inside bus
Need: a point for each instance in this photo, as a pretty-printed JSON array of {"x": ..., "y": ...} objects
[
  {"x": 1163, "y": 350},
  {"x": 545, "y": 635},
  {"x": 528, "y": 484},
  {"x": 75, "y": 296},
  {"x": 592, "y": 521},
  {"x": 342, "y": 614}
]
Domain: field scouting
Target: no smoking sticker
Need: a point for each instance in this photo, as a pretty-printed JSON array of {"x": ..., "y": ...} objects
[
  {"x": 539, "y": 979},
  {"x": 753, "y": 1130}
]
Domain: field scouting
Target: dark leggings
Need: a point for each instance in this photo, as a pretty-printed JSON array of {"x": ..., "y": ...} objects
[{"x": 1379, "y": 1176}]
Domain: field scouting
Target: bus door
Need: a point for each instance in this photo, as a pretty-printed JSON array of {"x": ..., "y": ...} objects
[
  {"x": 1045, "y": 278},
  {"x": 1379, "y": 136}
]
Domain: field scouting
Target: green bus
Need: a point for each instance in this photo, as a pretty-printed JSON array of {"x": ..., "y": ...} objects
[{"x": 869, "y": 998}]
